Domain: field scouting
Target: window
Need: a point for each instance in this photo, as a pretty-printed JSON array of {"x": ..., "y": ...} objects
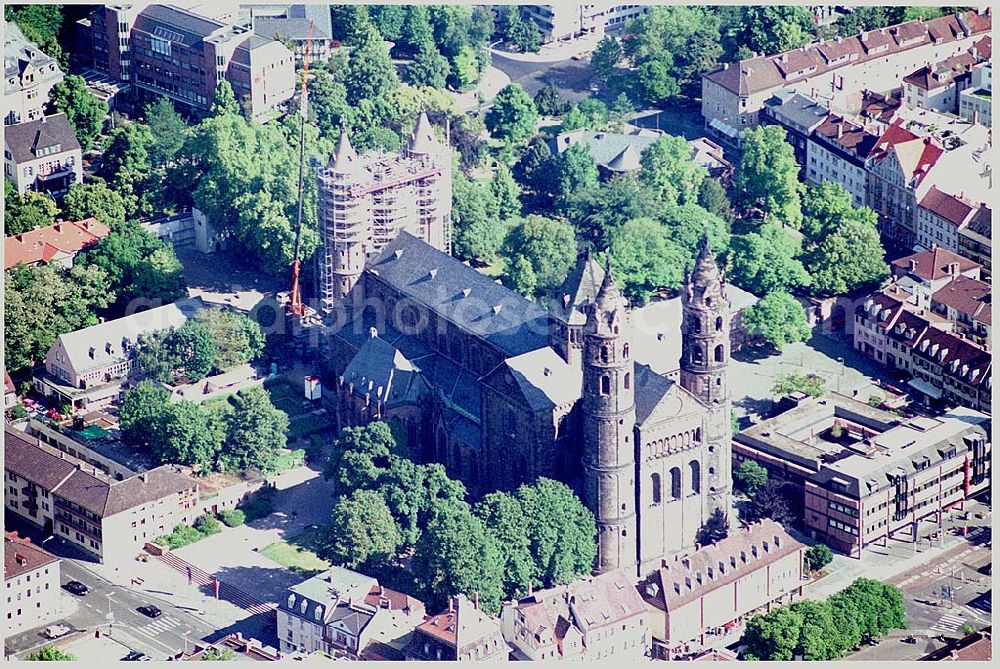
[
  {"x": 657, "y": 488},
  {"x": 697, "y": 355},
  {"x": 720, "y": 353},
  {"x": 628, "y": 380},
  {"x": 675, "y": 483},
  {"x": 718, "y": 323},
  {"x": 695, "y": 468},
  {"x": 604, "y": 354},
  {"x": 605, "y": 385}
]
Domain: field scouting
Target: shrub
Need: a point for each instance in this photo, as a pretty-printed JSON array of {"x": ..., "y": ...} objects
[
  {"x": 818, "y": 556},
  {"x": 50, "y": 654},
  {"x": 207, "y": 525},
  {"x": 232, "y": 517},
  {"x": 180, "y": 537},
  {"x": 260, "y": 505},
  {"x": 875, "y": 401},
  {"x": 18, "y": 412}
]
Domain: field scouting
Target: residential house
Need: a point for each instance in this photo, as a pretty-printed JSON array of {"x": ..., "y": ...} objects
[
  {"x": 29, "y": 76},
  {"x": 87, "y": 367},
  {"x": 875, "y": 317},
  {"x": 878, "y": 109},
  {"x": 949, "y": 370},
  {"x": 346, "y": 614},
  {"x": 838, "y": 71},
  {"x": 940, "y": 216},
  {"x": 966, "y": 303},
  {"x": 798, "y": 115},
  {"x": 560, "y": 22},
  {"x": 42, "y": 155},
  {"x": 579, "y": 621},
  {"x": 974, "y": 240},
  {"x": 717, "y": 586},
  {"x": 31, "y": 585},
  {"x": 711, "y": 156},
  {"x": 938, "y": 86},
  {"x": 974, "y": 647},
  {"x": 836, "y": 152},
  {"x": 926, "y": 272},
  {"x": 110, "y": 520},
  {"x": 463, "y": 633},
  {"x": 56, "y": 244},
  {"x": 976, "y": 101}
]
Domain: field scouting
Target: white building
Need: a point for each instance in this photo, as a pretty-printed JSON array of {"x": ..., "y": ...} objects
[
  {"x": 940, "y": 216},
  {"x": 31, "y": 585},
  {"x": 29, "y": 76},
  {"x": 567, "y": 21},
  {"x": 42, "y": 155},
  {"x": 938, "y": 86},
  {"x": 835, "y": 152},
  {"x": 976, "y": 102}
]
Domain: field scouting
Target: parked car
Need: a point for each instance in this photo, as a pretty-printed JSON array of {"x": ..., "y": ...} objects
[
  {"x": 56, "y": 631},
  {"x": 77, "y": 588},
  {"x": 150, "y": 610},
  {"x": 136, "y": 656}
]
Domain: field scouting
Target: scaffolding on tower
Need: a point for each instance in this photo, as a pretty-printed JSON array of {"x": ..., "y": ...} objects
[{"x": 295, "y": 306}]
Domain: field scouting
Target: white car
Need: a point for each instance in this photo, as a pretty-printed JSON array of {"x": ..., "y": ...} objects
[{"x": 56, "y": 631}]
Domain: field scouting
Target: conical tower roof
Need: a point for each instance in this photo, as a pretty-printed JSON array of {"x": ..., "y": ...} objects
[
  {"x": 608, "y": 296},
  {"x": 579, "y": 289},
  {"x": 345, "y": 159},
  {"x": 705, "y": 267},
  {"x": 627, "y": 160},
  {"x": 422, "y": 140}
]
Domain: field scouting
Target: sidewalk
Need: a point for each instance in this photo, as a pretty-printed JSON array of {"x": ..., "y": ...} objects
[
  {"x": 553, "y": 52},
  {"x": 492, "y": 82}
]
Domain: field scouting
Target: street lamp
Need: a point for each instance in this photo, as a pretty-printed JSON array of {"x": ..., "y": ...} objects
[{"x": 111, "y": 615}]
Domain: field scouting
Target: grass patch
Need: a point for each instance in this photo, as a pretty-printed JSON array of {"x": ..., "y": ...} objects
[
  {"x": 297, "y": 554},
  {"x": 307, "y": 424},
  {"x": 289, "y": 406},
  {"x": 289, "y": 459}
]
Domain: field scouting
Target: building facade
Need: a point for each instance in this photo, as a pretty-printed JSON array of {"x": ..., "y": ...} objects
[
  {"x": 29, "y": 76},
  {"x": 975, "y": 103},
  {"x": 940, "y": 216},
  {"x": 42, "y": 155},
  {"x": 31, "y": 585},
  {"x": 563, "y": 22},
  {"x": 975, "y": 240},
  {"x": 366, "y": 201},
  {"x": 939, "y": 86},
  {"x": 835, "y": 152},
  {"x": 463, "y": 633}
]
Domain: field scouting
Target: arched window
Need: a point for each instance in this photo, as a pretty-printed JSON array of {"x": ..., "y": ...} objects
[
  {"x": 605, "y": 355},
  {"x": 442, "y": 449},
  {"x": 657, "y": 488},
  {"x": 720, "y": 353},
  {"x": 708, "y": 301},
  {"x": 718, "y": 323},
  {"x": 696, "y": 325},
  {"x": 605, "y": 385},
  {"x": 628, "y": 380},
  {"x": 695, "y": 467},
  {"x": 675, "y": 482},
  {"x": 625, "y": 351},
  {"x": 698, "y": 355}
]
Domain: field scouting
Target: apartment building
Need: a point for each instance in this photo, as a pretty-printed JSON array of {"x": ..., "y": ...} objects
[
  {"x": 798, "y": 115},
  {"x": 292, "y": 23},
  {"x": 974, "y": 240},
  {"x": 835, "y": 152},
  {"x": 245, "y": 649},
  {"x": 87, "y": 367},
  {"x": 183, "y": 54},
  {"x": 463, "y": 633},
  {"x": 579, "y": 621},
  {"x": 55, "y": 244},
  {"x": 940, "y": 216},
  {"x": 837, "y": 71},
  {"x": 346, "y": 614},
  {"x": 966, "y": 303},
  {"x": 29, "y": 76},
  {"x": 924, "y": 273},
  {"x": 567, "y": 21},
  {"x": 950, "y": 370},
  {"x": 975, "y": 103},
  {"x": 31, "y": 585},
  {"x": 111, "y": 520},
  {"x": 718, "y": 586},
  {"x": 887, "y": 483},
  {"x": 939, "y": 86},
  {"x": 42, "y": 155}
]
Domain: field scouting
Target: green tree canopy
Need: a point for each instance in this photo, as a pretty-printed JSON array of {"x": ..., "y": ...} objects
[
  {"x": 715, "y": 529},
  {"x": 644, "y": 259},
  {"x": 49, "y": 653},
  {"x": 478, "y": 233},
  {"x": 561, "y": 531},
  {"x": 139, "y": 408},
  {"x": 370, "y": 73},
  {"x": 194, "y": 348},
  {"x": 224, "y": 100},
  {"x": 360, "y": 455},
  {"x": 506, "y": 193},
  {"x": 547, "y": 245},
  {"x": 218, "y": 655},
  {"x": 513, "y": 115},
  {"x": 97, "y": 200},
  {"x": 577, "y": 174},
  {"x": 84, "y": 111},
  {"x": 362, "y": 531},
  {"x": 667, "y": 167},
  {"x": 606, "y": 56},
  {"x": 238, "y": 339},
  {"x": 769, "y": 501},
  {"x": 767, "y": 177},
  {"x": 750, "y": 476},
  {"x": 169, "y": 131},
  {"x": 549, "y": 101},
  {"x": 255, "y": 430},
  {"x": 770, "y": 29},
  {"x": 818, "y": 556},
  {"x": 766, "y": 261},
  {"x": 773, "y": 636},
  {"x": 429, "y": 67},
  {"x": 712, "y": 196},
  {"x": 596, "y": 213},
  {"x": 810, "y": 384},
  {"x": 24, "y": 213},
  {"x": 182, "y": 433},
  {"x": 503, "y": 516},
  {"x": 779, "y": 319}
]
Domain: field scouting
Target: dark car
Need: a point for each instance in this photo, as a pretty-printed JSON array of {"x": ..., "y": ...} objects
[
  {"x": 150, "y": 610},
  {"x": 77, "y": 588},
  {"x": 135, "y": 656},
  {"x": 986, "y": 569}
]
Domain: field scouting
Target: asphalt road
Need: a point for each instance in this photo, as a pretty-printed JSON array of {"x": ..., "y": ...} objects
[{"x": 572, "y": 77}]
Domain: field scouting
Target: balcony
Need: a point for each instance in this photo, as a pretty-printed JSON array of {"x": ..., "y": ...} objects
[
  {"x": 75, "y": 524},
  {"x": 29, "y": 491}
]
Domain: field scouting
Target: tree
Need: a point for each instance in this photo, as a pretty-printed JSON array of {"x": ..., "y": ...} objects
[
  {"x": 561, "y": 531},
  {"x": 207, "y": 524},
  {"x": 644, "y": 259},
  {"x": 506, "y": 193},
  {"x": 577, "y": 173},
  {"x": 818, "y": 635},
  {"x": 773, "y": 636},
  {"x": 655, "y": 79},
  {"x": 181, "y": 433},
  {"x": 750, "y": 476},
  {"x": 388, "y": 20},
  {"x": 455, "y": 554},
  {"x": 417, "y": 29},
  {"x": 712, "y": 196},
  {"x": 84, "y": 111},
  {"x": 810, "y": 384},
  {"x": 169, "y": 131},
  {"x": 139, "y": 407},
  {"x": 687, "y": 225},
  {"x": 358, "y": 25},
  {"x": 218, "y": 655},
  {"x": 844, "y": 251},
  {"x": 715, "y": 529},
  {"x": 94, "y": 200},
  {"x": 877, "y": 607},
  {"x": 596, "y": 213},
  {"x": 24, "y": 213},
  {"x": 536, "y": 169},
  {"x": 774, "y": 28},
  {"x": 360, "y": 455},
  {"x": 194, "y": 348},
  {"x": 768, "y": 501},
  {"x": 778, "y": 319},
  {"x": 766, "y": 261},
  {"x": 478, "y": 234},
  {"x": 429, "y": 67},
  {"x": 224, "y": 100},
  {"x": 513, "y": 115},
  {"x": 818, "y": 556},
  {"x": 362, "y": 531},
  {"x": 503, "y": 516},
  {"x": 546, "y": 245},
  {"x": 126, "y": 154},
  {"x": 238, "y": 339},
  {"x": 768, "y": 176},
  {"x": 667, "y": 167},
  {"x": 255, "y": 430},
  {"x": 605, "y": 58},
  {"x": 465, "y": 68},
  {"x": 50, "y": 653},
  {"x": 549, "y": 101},
  {"x": 370, "y": 74}
]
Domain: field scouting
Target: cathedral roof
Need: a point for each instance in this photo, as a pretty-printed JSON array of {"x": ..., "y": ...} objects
[
  {"x": 381, "y": 369},
  {"x": 422, "y": 140},
  {"x": 579, "y": 288},
  {"x": 541, "y": 377}
]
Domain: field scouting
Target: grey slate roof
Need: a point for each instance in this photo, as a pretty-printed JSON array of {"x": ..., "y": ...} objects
[
  {"x": 24, "y": 140},
  {"x": 579, "y": 288},
  {"x": 18, "y": 52},
  {"x": 797, "y": 110},
  {"x": 545, "y": 379},
  {"x": 605, "y": 146},
  {"x": 650, "y": 389},
  {"x": 438, "y": 282},
  {"x": 176, "y": 24},
  {"x": 380, "y": 366},
  {"x": 290, "y": 28}
]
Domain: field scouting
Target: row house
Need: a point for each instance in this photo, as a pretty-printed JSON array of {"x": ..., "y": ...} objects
[
  {"x": 55, "y": 244},
  {"x": 836, "y": 152},
  {"x": 837, "y": 71},
  {"x": 42, "y": 155},
  {"x": 718, "y": 586},
  {"x": 463, "y": 633},
  {"x": 559, "y": 22},
  {"x": 940, "y": 216},
  {"x": 975, "y": 103},
  {"x": 29, "y": 76},
  {"x": 938, "y": 86},
  {"x": 950, "y": 370},
  {"x": 110, "y": 520},
  {"x": 596, "y": 618},
  {"x": 31, "y": 585},
  {"x": 799, "y": 116},
  {"x": 926, "y": 272},
  {"x": 974, "y": 240},
  {"x": 966, "y": 303}
]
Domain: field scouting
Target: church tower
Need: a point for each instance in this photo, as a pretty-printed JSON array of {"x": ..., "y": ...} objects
[
  {"x": 705, "y": 352},
  {"x": 608, "y": 428}
]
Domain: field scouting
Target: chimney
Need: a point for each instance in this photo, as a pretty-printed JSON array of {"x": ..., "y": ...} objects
[
  {"x": 953, "y": 269},
  {"x": 475, "y": 600},
  {"x": 451, "y": 604},
  {"x": 913, "y": 265},
  {"x": 840, "y": 130}
]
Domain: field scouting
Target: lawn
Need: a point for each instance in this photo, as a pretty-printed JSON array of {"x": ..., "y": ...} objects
[{"x": 296, "y": 554}]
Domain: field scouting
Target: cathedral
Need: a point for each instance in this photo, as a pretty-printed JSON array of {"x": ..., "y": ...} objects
[{"x": 502, "y": 391}]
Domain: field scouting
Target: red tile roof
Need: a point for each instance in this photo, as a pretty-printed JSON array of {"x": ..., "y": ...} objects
[
  {"x": 955, "y": 210},
  {"x": 976, "y": 647},
  {"x": 931, "y": 77},
  {"x": 893, "y": 135},
  {"x": 8, "y": 384},
  {"x": 852, "y": 138},
  {"x": 42, "y": 244},
  {"x": 967, "y": 296},
  {"x": 20, "y": 556},
  {"x": 983, "y": 49},
  {"x": 932, "y": 265}
]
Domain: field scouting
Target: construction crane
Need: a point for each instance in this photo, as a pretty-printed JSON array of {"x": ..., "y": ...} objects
[{"x": 295, "y": 306}]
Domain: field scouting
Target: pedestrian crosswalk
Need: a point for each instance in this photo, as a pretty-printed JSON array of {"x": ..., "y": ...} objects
[
  {"x": 983, "y": 603},
  {"x": 948, "y": 623},
  {"x": 159, "y": 625}
]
